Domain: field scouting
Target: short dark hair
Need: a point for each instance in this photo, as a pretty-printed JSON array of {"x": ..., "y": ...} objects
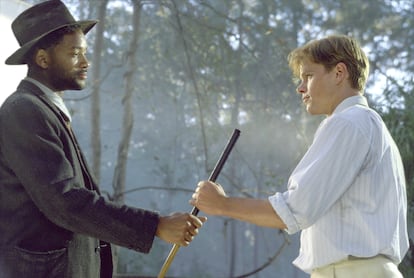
[{"x": 50, "y": 40}]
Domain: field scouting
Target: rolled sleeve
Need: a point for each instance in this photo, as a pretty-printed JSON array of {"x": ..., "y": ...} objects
[{"x": 282, "y": 209}]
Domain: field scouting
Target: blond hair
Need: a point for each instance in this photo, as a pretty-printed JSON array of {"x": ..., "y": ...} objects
[{"x": 329, "y": 52}]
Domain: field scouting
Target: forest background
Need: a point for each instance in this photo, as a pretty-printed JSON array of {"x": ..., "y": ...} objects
[{"x": 171, "y": 79}]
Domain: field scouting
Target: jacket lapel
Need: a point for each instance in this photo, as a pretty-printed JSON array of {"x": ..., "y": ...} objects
[{"x": 29, "y": 87}]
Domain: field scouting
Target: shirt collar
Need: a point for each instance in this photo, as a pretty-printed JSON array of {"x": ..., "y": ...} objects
[
  {"x": 351, "y": 101},
  {"x": 54, "y": 97}
]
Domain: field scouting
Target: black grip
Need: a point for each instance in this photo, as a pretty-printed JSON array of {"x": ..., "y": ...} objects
[{"x": 222, "y": 160}]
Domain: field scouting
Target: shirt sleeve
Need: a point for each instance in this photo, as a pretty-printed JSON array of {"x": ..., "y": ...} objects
[{"x": 326, "y": 171}]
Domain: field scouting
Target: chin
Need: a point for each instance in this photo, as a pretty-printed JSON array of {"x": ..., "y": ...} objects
[
  {"x": 79, "y": 86},
  {"x": 312, "y": 111},
  {"x": 309, "y": 110}
]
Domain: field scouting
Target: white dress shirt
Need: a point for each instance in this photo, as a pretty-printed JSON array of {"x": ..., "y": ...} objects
[
  {"x": 54, "y": 97},
  {"x": 348, "y": 193}
]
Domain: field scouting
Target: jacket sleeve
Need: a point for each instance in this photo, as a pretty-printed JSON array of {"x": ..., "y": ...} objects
[{"x": 41, "y": 154}]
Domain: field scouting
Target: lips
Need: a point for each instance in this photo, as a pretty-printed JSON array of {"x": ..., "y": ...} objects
[
  {"x": 83, "y": 74},
  {"x": 305, "y": 99}
]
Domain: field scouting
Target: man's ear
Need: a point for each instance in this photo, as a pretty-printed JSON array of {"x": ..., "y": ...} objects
[
  {"x": 42, "y": 58},
  {"x": 341, "y": 71}
]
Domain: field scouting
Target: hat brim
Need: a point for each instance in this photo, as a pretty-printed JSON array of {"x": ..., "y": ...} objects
[{"x": 19, "y": 56}]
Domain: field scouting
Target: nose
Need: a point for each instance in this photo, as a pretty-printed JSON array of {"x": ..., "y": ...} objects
[
  {"x": 84, "y": 61},
  {"x": 301, "y": 89}
]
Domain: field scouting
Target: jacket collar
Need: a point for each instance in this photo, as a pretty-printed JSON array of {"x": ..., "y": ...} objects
[{"x": 28, "y": 87}]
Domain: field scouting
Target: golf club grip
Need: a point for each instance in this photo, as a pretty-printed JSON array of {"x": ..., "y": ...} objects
[{"x": 222, "y": 160}]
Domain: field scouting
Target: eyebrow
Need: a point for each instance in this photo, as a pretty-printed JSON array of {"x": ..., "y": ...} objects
[
  {"x": 305, "y": 71},
  {"x": 78, "y": 48}
]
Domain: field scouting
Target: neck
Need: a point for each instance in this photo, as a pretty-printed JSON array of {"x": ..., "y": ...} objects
[
  {"x": 40, "y": 77},
  {"x": 340, "y": 95}
]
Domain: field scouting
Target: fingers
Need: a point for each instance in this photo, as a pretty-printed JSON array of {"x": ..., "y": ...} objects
[
  {"x": 179, "y": 228},
  {"x": 193, "y": 200},
  {"x": 197, "y": 192},
  {"x": 192, "y": 227},
  {"x": 188, "y": 238},
  {"x": 206, "y": 196},
  {"x": 193, "y": 224}
]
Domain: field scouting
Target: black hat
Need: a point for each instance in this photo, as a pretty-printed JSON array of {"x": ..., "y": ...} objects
[{"x": 38, "y": 21}]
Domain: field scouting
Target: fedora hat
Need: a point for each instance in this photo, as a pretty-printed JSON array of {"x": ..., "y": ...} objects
[{"x": 38, "y": 21}]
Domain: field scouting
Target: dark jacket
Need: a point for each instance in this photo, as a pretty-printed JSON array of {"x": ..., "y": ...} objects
[{"x": 52, "y": 216}]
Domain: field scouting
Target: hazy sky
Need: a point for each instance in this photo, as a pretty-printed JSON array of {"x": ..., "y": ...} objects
[{"x": 10, "y": 75}]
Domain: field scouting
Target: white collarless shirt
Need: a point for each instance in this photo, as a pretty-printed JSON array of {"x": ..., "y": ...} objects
[{"x": 347, "y": 195}]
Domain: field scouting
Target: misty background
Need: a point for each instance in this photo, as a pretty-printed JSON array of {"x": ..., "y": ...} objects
[{"x": 169, "y": 82}]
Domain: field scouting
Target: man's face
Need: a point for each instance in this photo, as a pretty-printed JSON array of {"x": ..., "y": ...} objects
[
  {"x": 317, "y": 88},
  {"x": 68, "y": 65}
]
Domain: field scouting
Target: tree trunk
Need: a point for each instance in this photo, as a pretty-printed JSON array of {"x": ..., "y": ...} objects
[
  {"x": 96, "y": 105},
  {"x": 128, "y": 119}
]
